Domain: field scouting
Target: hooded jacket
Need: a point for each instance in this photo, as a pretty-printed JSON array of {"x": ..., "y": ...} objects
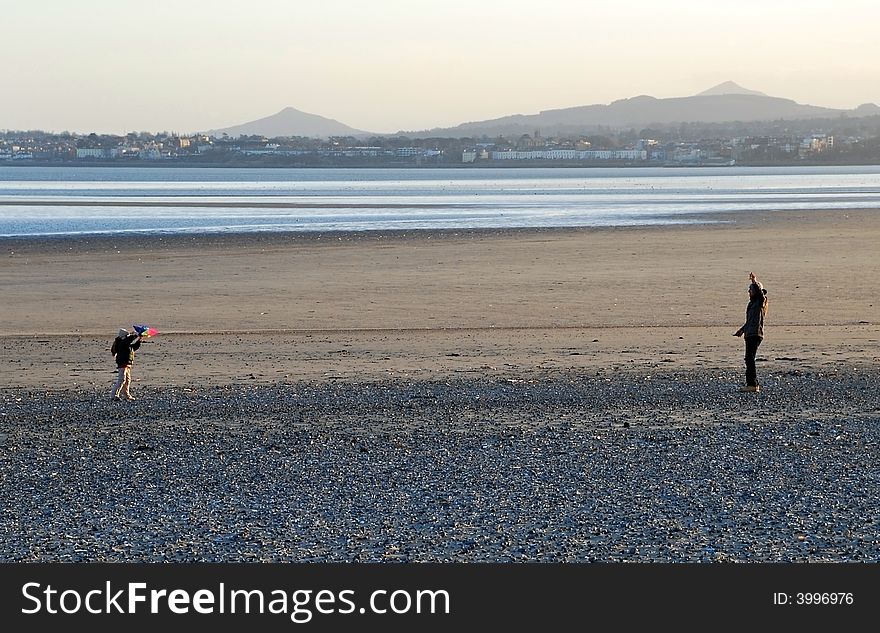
[
  {"x": 755, "y": 312},
  {"x": 123, "y": 349}
]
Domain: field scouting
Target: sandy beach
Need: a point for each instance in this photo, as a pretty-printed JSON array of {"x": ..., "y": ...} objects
[
  {"x": 535, "y": 395},
  {"x": 366, "y": 306}
]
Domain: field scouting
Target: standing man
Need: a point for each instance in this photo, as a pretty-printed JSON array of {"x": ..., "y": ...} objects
[
  {"x": 123, "y": 351},
  {"x": 753, "y": 329}
]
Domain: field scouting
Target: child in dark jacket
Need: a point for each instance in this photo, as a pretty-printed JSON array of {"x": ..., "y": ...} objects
[
  {"x": 123, "y": 349},
  {"x": 753, "y": 329}
]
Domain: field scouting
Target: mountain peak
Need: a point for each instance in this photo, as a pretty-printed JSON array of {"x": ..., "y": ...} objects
[
  {"x": 291, "y": 122},
  {"x": 728, "y": 88}
]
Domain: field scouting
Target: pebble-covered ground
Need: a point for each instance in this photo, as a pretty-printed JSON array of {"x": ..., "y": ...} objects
[{"x": 582, "y": 467}]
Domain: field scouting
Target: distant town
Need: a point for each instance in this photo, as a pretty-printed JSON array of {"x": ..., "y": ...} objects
[{"x": 611, "y": 149}]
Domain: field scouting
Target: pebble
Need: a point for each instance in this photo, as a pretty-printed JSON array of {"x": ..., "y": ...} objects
[{"x": 666, "y": 467}]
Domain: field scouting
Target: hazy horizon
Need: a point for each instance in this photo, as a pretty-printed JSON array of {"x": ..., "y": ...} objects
[{"x": 110, "y": 67}]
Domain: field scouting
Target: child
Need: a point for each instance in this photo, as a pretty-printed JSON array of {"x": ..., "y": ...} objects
[
  {"x": 753, "y": 329},
  {"x": 123, "y": 351}
]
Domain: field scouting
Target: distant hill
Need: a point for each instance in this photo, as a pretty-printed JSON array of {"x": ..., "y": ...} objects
[
  {"x": 867, "y": 109},
  {"x": 728, "y": 88},
  {"x": 723, "y": 103},
  {"x": 291, "y": 122}
]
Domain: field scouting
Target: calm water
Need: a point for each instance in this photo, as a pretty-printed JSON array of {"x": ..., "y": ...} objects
[{"x": 83, "y": 200}]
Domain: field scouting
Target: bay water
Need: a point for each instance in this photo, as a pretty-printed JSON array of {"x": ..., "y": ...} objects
[{"x": 74, "y": 200}]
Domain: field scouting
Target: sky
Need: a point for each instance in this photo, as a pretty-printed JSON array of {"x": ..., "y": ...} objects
[{"x": 115, "y": 66}]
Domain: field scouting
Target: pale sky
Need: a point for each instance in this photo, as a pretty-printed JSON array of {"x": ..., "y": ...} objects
[{"x": 386, "y": 65}]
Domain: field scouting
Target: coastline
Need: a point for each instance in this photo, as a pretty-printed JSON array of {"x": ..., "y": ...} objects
[
  {"x": 769, "y": 220},
  {"x": 499, "y": 164}
]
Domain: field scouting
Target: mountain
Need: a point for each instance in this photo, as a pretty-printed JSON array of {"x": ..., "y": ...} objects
[
  {"x": 867, "y": 109},
  {"x": 291, "y": 122},
  {"x": 728, "y": 88},
  {"x": 726, "y": 102}
]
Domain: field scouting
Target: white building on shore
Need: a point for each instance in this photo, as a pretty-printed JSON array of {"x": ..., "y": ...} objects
[{"x": 572, "y": 154}]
